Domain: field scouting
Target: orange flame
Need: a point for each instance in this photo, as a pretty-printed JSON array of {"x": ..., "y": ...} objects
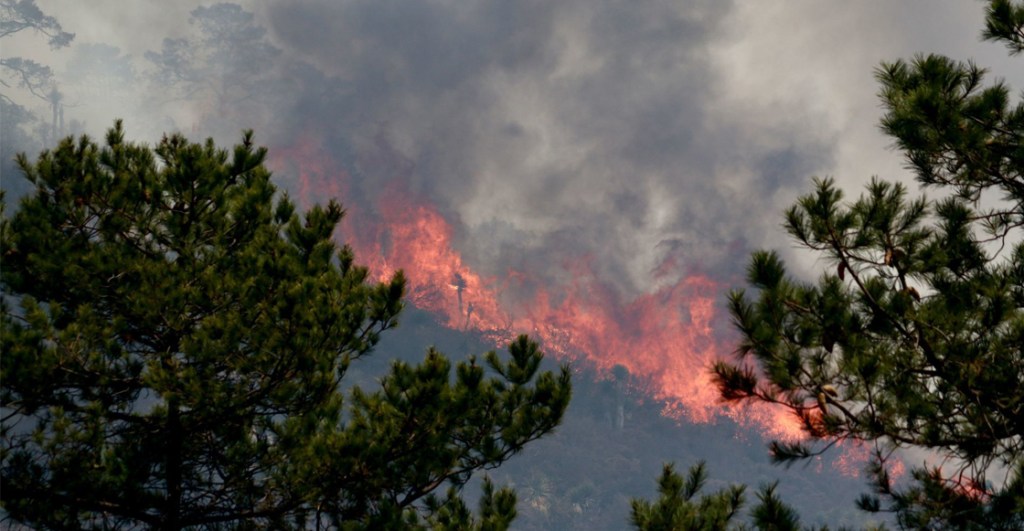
[
  {"x": 854, "y": 453},
  {"x": 666, "y": 338}
]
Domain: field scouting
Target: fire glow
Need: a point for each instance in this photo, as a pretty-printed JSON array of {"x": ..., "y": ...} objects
[{"x": 664, "y": 338}]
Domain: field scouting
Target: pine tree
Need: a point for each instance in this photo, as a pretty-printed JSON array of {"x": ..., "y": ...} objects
[
  {"x": 915, "y": 335},
  {"x": 679, "y": 509},
  {"x": 175, "y": 338}
]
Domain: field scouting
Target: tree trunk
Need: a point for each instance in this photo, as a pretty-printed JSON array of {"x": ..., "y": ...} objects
[{"x": 172, "y": 467}]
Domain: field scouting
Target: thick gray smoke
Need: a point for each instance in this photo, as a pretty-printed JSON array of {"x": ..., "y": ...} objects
[
  {"x": 628, "y": 132},
  {"x": 632, "y": 134},
  {"x": 551, "y": 130}
]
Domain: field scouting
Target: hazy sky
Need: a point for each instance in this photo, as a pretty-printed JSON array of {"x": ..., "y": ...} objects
[{"x": 629, "y": 132}]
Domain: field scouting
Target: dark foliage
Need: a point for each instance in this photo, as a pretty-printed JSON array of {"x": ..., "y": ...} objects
[
  {"x": 916, "y": 337},
  {"x": 175, "y": 340}
]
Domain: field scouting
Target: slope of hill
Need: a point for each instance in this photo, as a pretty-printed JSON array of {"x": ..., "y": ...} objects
[{"x": 613, "y": 442}]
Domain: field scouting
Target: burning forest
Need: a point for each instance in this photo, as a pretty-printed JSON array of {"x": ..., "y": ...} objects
[
  {"x": 668, "y": 339},
  {"x": 597, "y": 175}
]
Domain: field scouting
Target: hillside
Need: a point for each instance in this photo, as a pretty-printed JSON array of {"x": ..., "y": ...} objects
[{"x": 613, "y": 443}]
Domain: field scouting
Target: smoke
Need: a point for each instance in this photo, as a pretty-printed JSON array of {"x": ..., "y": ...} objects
[
  {"x": 653, "y": 138},
  {"x": 549, "y": 131}
]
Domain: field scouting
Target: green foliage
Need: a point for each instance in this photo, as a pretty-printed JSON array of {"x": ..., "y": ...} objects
[
  {"x": 678, "y": 509},
  {"x": 916, "y": 338},
  {"x": 771, "y": 514},
  {"x": 175, "y": 338},
  {"x": 929, "y": 503},
  {"x": 1004, "y": 22}
]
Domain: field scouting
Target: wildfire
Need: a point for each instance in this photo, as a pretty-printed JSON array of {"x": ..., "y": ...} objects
[
  {"x": 854, "y": 453},
  {"x": 665, "y": 338}
]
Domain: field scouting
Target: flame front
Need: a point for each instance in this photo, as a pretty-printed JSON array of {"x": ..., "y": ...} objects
[{"x": 665, "y": 338}]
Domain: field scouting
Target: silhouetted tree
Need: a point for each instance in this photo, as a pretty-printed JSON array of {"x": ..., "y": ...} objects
[
  {"x": 36, "y": 78},
  {"x": 100, "y": 67},
  {"x": 679, "y": 509},
  {"x": 226, "y": 65},
  {"x": 16, "y": 16},
  {"x": 14, "y": 137},
  {"x": 915, "y": 337},
  {"x": 174, "y": 345}
]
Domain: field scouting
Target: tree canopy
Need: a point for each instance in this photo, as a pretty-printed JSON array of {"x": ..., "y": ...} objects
[
  {"x": 679, "y": 508},
  {"x": 914, "y": 336},
  {"x": 175, "y": 340}
]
